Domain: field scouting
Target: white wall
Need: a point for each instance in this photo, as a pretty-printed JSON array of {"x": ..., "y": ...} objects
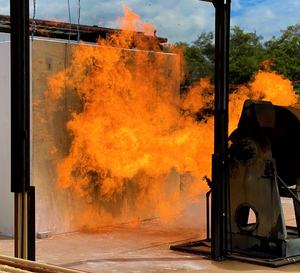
[
  {"x": 6, "y": 197},
  {"x": 4, "y": 37}
]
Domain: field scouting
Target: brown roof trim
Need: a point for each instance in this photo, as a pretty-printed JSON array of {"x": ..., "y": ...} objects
[{"x": 61, "y": 30}]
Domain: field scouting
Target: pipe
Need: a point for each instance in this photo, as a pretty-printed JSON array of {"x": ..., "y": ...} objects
[
  {"x": 295, "y": 198},
  {"x": 18, "y": 226},
  {"x": 38, "y": 265},
  {"x": 207, "y": 215},
  {"x": 26, "y": 267},
  {"x": 25, "y": 226},
  {"x": 31, "y": 224},
  {"x": 12, "y": 269}
]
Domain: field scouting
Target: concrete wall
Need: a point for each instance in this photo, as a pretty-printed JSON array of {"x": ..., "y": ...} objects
[
  {"x": 57, "y": 210},
  {"x": 6, "y": 197}
]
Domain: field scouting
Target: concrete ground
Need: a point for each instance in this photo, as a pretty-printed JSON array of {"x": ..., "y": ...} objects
[{"x": 141, "y": 247}]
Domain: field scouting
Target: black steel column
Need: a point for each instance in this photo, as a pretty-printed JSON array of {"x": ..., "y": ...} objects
[
  {"x": 19, "y": 22},
  {"x": 20, "y": 119},
  {"x": 220, "y": 157}
]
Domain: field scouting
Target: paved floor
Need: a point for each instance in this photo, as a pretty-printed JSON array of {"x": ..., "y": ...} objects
[{"x": 142, "y": 247}]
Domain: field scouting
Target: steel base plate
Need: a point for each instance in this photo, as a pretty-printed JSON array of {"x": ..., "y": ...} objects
[{"x": 203, "y": 247}]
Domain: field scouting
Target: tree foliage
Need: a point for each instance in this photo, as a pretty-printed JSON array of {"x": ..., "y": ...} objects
[
  {"x": 199, "y": 58},
  {"x": 284, "y": 52},
  {"x": 247, "y": 52}
]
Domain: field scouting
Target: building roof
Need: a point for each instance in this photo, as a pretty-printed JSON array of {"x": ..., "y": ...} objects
[{"x": 66, "y": 31}]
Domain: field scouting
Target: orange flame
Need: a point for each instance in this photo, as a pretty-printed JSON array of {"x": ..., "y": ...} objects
[
  {"x": 52, "y": 18},
  {"x": 130, "y": 122},
  {"x": 132, "y": 22},
  {"x": 267, "y": 85}
]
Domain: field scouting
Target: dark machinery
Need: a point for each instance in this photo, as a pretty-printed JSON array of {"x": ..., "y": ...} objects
[
  {"x": 264, "y": 165},
  {"x": 264, "y": 160}
]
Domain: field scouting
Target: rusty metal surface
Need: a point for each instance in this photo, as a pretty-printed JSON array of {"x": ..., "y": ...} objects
[{"x": 62, "y": 30}]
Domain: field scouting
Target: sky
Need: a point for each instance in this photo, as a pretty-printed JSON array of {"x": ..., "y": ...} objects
[{"x": 177, "y": 20}]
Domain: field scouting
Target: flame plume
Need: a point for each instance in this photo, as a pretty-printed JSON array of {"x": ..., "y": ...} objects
[{"x": 131, "y": 120}]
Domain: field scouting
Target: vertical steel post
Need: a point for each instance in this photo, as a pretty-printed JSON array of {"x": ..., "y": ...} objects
[
  {"x": 31, "y": 224},
  {"x": 220, "y": 156},
  {"x": 20, "y": 121},
  {"x": 19, "y": 21},
  {"x": 216, "y": 218},
  {"x": 227, "y": 9}
]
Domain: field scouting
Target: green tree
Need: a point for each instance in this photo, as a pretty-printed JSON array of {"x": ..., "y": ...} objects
[
  {"x": 204, "y": 48},
  {"x": 199, "y": 58},
  {"x": 246, "y": 53},
  {"x": 284, "y": 52}
]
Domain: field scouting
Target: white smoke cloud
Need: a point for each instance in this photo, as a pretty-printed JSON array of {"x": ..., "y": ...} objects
[{"x": 268, "y": 17}]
